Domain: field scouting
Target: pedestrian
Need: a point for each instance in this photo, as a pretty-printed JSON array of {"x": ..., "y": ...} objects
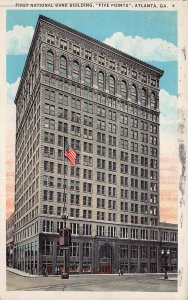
[
  {"x": 46, "y": 272},
  {"x": 119, "y": 272}
]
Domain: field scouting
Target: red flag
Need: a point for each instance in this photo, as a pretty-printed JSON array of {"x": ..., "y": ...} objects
[{"x": 70, "y": 153}]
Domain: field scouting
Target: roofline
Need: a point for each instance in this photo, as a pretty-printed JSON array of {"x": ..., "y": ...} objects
[{"x": 27, "y": 60}]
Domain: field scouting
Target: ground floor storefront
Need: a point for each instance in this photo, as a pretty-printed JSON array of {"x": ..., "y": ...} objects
[{"x": 93, "y": 255}]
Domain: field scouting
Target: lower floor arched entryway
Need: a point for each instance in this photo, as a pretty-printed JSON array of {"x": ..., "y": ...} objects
[{"x": 105, "y": 259}]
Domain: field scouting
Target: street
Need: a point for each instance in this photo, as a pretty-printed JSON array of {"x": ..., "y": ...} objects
[{"x": 128, "y": 282}]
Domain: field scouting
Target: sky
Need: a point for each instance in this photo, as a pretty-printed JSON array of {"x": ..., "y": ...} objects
[{"x": 150, "y": 36}]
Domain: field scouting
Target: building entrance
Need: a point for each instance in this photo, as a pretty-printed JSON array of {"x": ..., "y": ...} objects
[
  {"x": 47, "y": 267},
  {"x": 105, "y": 260}
]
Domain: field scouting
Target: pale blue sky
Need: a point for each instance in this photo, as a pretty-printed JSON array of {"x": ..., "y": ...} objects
[{"x": 101, "y": 25}]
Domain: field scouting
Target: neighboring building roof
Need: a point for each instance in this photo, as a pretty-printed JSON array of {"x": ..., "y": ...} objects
[
  {"x": 167, "y": 225},
  {"x": 10, "y": 218}
]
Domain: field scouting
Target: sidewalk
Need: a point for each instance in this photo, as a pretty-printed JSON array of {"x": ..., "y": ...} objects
[
  {"x": 22, "y": 273},
  {"x": 171, "y": 277}
]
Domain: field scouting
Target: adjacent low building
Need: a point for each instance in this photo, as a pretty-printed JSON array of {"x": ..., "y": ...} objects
[
  {"x": 10, "y": 240},
  {"x": 106, "y": 104}
]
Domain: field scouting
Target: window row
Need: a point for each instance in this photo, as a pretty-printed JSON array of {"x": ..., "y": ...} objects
[
  {"x": 101, "y": 80},
  {"x": 110, "y": 231},
  {"x": 101, "y": 60}
]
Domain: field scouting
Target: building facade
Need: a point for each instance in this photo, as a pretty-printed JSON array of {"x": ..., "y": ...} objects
[
  {"x": 10, "y": 240},
  {"x": 106, "y": 104}
]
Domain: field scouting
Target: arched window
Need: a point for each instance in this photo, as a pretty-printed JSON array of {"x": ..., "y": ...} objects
[
  {"x": 88, "y": 76},
  {"x": 75, "y": 71},
  {"x": 101, "y": 81},
  {"x": 124, "y": 89},
  {"x": 143, "y": 97},
  {"x": 50, "y": 61},
  {"x": 63, "y": 66},
  {"x": 134, "y": 94},
  {"x": 112, "y": 85},
  {"x": 152, "y": 101}
]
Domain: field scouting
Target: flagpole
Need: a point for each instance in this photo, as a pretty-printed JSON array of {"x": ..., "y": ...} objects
[
  {"x": 65, "y": 275},
  {"x": 64, "y": 212},
  {"x": 65, "y": 232}
]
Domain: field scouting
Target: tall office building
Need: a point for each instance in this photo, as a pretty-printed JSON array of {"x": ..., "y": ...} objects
[{"x": 106, "y": 104}]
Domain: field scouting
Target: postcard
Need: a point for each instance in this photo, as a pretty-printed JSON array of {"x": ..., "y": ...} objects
[{"x": 93, "y": 151}]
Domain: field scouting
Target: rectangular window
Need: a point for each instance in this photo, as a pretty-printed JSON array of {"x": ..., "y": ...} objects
[
  {"x": 88, "y": 54},
  {"x": 144, "y": 234},
  {"x": 100, "y": 163},
  {"x": 49, "y": 152},
  {"x": 88, "y": 121},
  {"x": 86, "y": 229},
  {"x": 134, "y": 134},
  {"x": 88, "y": 107},
  {"x": 48, "y": 166},
  {"x": 144, "y": 78},
  {"x": 112, "y": 65},
  {"x": 101, "y": 190},
  {"x": 112, "y": 115},
  {"x": 111, "y": 153},
  {"x": 123, "y": 70},
  {"x": 63, "y": 99},
  {"x": 75, "y": 130},
  {"x": 112, "y": 140},
  {"x": 134, "y": 233},
  {"x": 153, "y": 82},
  {"x": 47, "y": 226},
  {"x": 100, "y": 230},
  {"x": 100, "y": 203},
  {"x": 101, "y": 112},
  {"x": 75, "y": 103},
  {"x": 101, "y": 137},
  {"x": 50, "y": 39},
  {"x": 111, "y": 231},
  {"x": 76, "y": 50},
  {"x": 88, "y": 161},
  {"x": 62, "y": 113},
  {"x": 49, "y": 123},
  {"x": 87, "y": 200},
  {"x": 74, "y": 249},
  {"x": 134, "y": 74},
  {"x": 88, "y": 134},
  {"x": 101, "y": 150},
  {"x": 63, "y": 44},
  {"x": 101, "y": 60},
  {"x": 63, "y": 127},
  {"x": 134, "y": 122},
  {"x": 112, "y": 166},
  {"x": 87, "y": 187},
  {"x": 134, "y": 147},
  {"x": 75, "y": 228}
]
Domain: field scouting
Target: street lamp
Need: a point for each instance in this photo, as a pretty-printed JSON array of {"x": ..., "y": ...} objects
[
  {"x": 65, "y": 217},
  {"x": 165, "y": 254},
  {"x": 65, "y": 241}
]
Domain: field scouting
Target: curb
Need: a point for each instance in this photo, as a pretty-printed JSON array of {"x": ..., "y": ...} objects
[{"x": 23, "y": 274}]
